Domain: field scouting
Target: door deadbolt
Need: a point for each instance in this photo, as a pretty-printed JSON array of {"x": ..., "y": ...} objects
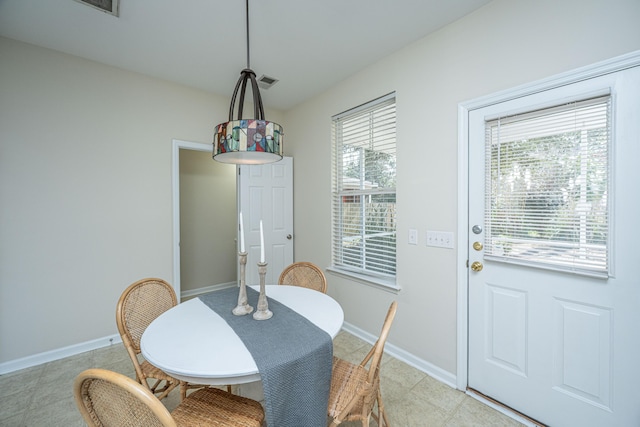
[
  {"x": 477, "y": 246},
  {"x": 476, "y": 229}
]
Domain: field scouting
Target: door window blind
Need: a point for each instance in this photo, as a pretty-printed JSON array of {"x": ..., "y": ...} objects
[
  {"x": 547, "y": 187},
  {"x": 364, "y": 189}
]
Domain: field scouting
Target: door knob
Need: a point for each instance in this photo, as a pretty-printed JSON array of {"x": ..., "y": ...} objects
[
  {"x": 288, "y": 236},
  {"x": 476, "y": 266}
]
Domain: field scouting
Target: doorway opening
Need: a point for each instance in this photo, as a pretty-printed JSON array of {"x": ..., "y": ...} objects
[{"x": 204, "y": 212}]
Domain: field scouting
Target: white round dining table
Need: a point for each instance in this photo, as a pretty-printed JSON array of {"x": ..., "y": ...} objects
[{"x": 192, "y": 343}]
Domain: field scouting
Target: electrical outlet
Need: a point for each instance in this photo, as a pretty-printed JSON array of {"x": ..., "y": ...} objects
[{"x": 440, "y": 239}]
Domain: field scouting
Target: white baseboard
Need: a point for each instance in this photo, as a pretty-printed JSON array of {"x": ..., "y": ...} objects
[
  {"x": 49, "y": 356},
  {"x": 60, "y": 353},
  {"x": 196, "y": 292},
  {"x": 72, "y": 350},
  {"x": 404, "y": 356}
]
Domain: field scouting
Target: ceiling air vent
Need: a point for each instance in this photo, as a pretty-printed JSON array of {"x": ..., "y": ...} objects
[
  {"x": 107, "y": 6},
  {"x": 265, "y": 82}
]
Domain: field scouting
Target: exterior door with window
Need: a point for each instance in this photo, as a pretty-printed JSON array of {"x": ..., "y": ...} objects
[{"x": 554, "y": 294}]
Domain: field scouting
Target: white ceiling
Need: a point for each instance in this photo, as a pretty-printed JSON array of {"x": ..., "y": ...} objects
[{"x": 307, "y": 45}]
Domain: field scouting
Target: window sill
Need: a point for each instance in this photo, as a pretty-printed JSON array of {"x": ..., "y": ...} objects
[{"x": 388, "y": 285}]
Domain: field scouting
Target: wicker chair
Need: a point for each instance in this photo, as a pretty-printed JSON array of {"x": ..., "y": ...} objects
[
  {"x": 355, "y": 389},
  {"x": 107, "y": 398},
  {"x": 138, "y": 306},
  {"x": 304, "y": 274}
]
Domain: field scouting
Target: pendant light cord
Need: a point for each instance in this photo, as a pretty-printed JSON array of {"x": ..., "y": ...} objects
[
  {"x": 248, "y": 61},
  {"x": 247, "y": 76}
]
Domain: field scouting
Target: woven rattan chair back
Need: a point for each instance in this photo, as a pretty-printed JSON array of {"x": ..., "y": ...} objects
[
  {"x": 356, "y": 388},
  {"x": 378, "y": 348},
  {"x": 140, "y": 304},
  {"x": 106, "y": 399},
  {"x": 305, "y": 274},
  {"x": 110, "y": 399}
]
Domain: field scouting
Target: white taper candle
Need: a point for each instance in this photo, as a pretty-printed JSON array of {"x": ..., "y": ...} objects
[
  {"x": 261, "y": 243},
  {"x": 241, "y": 234}
]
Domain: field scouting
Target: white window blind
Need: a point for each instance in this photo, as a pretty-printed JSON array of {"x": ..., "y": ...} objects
[
  {"x": 547, "y": 193},
  {"x": 364, "y": 189}
]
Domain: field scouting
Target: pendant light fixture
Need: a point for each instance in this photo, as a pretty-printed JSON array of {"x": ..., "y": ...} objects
[{"x": 247, "y": 141}]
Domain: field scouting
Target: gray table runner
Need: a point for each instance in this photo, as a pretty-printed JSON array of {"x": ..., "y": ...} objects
[{"x": 293, "y": 355}]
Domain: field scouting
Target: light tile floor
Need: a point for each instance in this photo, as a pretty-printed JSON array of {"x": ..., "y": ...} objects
[{"x": 43, "y": 395}]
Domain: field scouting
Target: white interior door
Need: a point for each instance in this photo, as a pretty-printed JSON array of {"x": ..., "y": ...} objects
[
  {"x": 559, "y": 346},
  {"x": 265, "y": 192}
]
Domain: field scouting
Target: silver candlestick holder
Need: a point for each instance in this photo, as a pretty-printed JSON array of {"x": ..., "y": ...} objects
[
  {"x": 243, "y": 307},
  {"x": 262, "y": 312}
]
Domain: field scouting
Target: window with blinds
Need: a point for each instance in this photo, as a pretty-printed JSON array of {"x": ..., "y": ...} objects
[
  {"x": 364, "y": 190},
  {"x": 547, "y": 193}
]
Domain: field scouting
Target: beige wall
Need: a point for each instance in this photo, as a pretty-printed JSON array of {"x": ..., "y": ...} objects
[
  {"x": 85, "y": 191},
  {"x": 85, "y": 169},
  {"x": 207, "y": 221},
  {"x": 505, "y": 44}
]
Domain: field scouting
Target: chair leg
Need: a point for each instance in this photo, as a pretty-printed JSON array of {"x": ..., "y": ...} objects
[
  {"x": 183, "y": 390},
  {"x": 382, "y": 415},
  {"x": 168, "y": 389},
  {"x": 155, "y": 386},
  {"x": 160, "y": 393}
]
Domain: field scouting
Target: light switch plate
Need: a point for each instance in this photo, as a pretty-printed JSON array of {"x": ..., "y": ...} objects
[
  {"x": 440, "y": 239},
  {"x": 413, "y": 236}
]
